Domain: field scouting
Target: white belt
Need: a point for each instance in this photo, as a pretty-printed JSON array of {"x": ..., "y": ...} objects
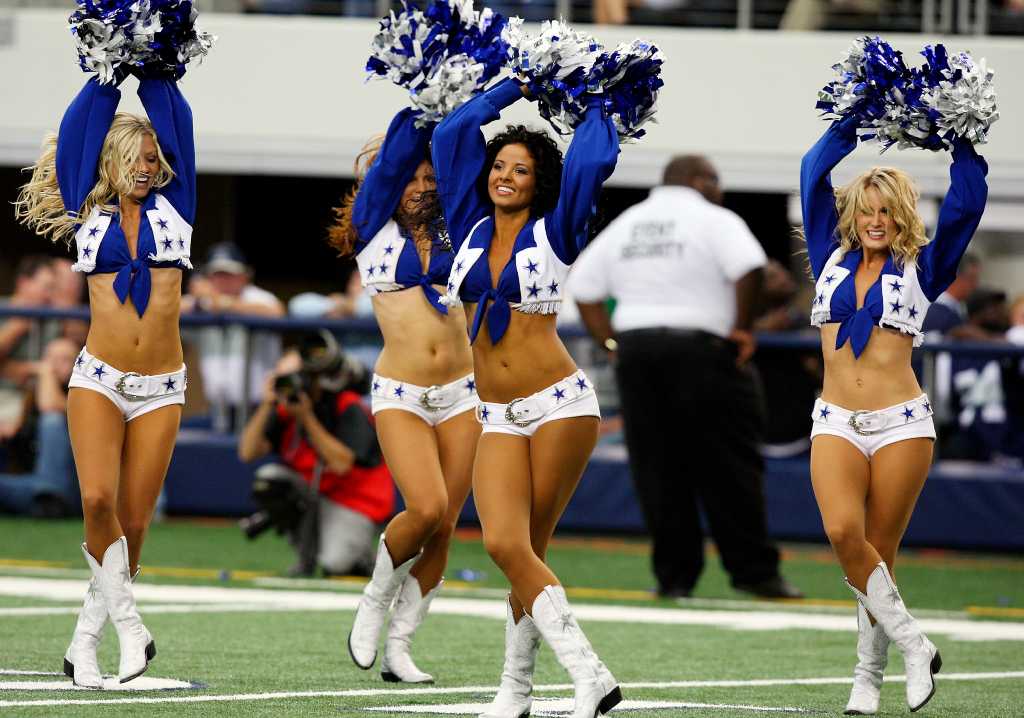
[
  {"x": 432, "y": 398},
  {"x": 525, "y": 411},
  {"x": 872, "y": 422},
  {"x": 129, "y": 384}
]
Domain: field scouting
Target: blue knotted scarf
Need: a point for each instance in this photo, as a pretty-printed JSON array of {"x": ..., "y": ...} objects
[{"x": 133, "y": 279}]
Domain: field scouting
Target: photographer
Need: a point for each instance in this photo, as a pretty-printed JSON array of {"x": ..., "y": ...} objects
[{"x": 312, "y": 418}]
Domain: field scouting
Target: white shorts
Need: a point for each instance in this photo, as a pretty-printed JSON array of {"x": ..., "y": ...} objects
[
  {"x": 134, "y": 394},
  {"x": 869, "y": 431},
  {"x": 570, "y": 397},
  {"x": 434, "y": 404}
]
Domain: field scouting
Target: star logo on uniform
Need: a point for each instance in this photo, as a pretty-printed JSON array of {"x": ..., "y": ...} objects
[
  {"x": 376, "y": 386},
  {"x": 98, "y": 372},
  {"x": 912, "y": 312},
  {"x": 451, "y": 287},
  {"x": 399, "y": 391},
  {"x": 896, "y": 286},
  {"x": 79, "y": 361},
  {"x": 908, "y": 413},
  {"x": 87, "y": 252},
  {"x": 820, "y": 299},
  {"x": 94, "y": 231},
  {"x": 824, "y": 412},
  {"x": 830, "y": 278},
  {"x": 581, "y": 383},
  {"x": 169, "y": 385},
  {"x": 371, "y": 271},
  {"x": 458, "y": 266},
  {"x": 470, "y": 385},
  {"x": 559, "y": 394},
  {"x": 484, "y": 412},
  {"x": 553, "y": 288},
  {"x": 531, "y": 267},
  {"x": 389, "y": 249},
  {"x": 162, "y": 222},
  {"x": 533, "y": 289},
  {"x": 927, "y": 407},
  {"x": 383, "y": 268},
  {"x": 896, "y": 306},
  {"x": 167, "y": 244},
  {"x": 181, "y": 243}
]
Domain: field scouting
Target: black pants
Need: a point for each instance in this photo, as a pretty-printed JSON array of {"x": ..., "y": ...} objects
[{"x": 693, "y": 423}]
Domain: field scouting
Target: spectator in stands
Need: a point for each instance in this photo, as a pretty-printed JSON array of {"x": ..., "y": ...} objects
[
  {"x": 685, "y": 273},
  {"x": 353, "y": 302},
  {"x": 988, "y": 317},
  {"x": 312, "y": 418},
  {"x": 949, "y": 311},
  {"x": 40, "y": 472},
  {"x": 69, "y": 293},
  {"x": 226, "y": 287}
]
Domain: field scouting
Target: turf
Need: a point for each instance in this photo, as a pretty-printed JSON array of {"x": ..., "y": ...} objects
[{"x": 254, "y": 652}]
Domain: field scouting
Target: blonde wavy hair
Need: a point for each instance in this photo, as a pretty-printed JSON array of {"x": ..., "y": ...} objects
[
  {"x": 40, "y": 205},
  {"x": 342, "y": 234},
  {"x": 899, "y": 196}
]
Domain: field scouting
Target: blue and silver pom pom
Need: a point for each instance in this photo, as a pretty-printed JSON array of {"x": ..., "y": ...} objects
[
  {"x": 442, "y": 55},
  {"x": 156, "y": 38},
  {"x": 557, "y": 64},
  {"x": 628, "y": 80}
]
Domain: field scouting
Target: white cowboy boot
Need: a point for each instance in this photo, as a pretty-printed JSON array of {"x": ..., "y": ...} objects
[
  {"x": 374, "y": 606},
  {"x": 410, "y": 608},
  {"x": 522, "y": 641},
  {"x": 920, "y": 656},
  {"x": 137, "y": 646},
  {"x": 597, "y": 691},
  {"x": 80, "y": 662},
  {"x": 872, "y": 657}
]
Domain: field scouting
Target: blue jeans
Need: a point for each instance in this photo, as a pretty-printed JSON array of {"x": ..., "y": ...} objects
[{"x": 53, "y": 474}]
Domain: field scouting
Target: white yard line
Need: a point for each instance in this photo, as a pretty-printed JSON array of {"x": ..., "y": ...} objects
[
  {"x": 230, "y": 599},
  {"x": 487, "y": 690},
  {"x": 564, "y": 706}
]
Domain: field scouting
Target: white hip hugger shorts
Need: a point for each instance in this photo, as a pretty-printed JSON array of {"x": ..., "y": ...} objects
[
  {"x": 134, "y": 394},
  {"x": 434, "y": 404},
  {"x": 869, "y": 431},
  {"x": 570, "y": 397}
]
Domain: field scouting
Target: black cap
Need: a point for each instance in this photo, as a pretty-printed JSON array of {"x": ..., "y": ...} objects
[
  {"x": 226, "y": 257},
  {"x": 983, "y": 298}
]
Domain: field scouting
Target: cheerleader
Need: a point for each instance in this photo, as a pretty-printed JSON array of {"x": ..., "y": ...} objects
[
  {"x": 519, "y": 219},
  {"x": 876, "y": 274},
  {"x": 423, "y": 389},
  {"x": 123, "y": 188}
]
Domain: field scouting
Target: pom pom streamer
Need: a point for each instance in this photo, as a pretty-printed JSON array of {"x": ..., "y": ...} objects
[
  {"x": 442, "y": 55},
  {"x": 949, "y": 97},
  {"x": 156, "y": 38},
  {"x": 628, "y": 80}
]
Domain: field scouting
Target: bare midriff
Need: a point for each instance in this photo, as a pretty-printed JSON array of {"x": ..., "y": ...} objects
[
  {"x": 421, "y": 345},
  {"x": 880, "y": 378},
  {"x": 150, "y": 344},
  {"x": 529, "y": 357}
]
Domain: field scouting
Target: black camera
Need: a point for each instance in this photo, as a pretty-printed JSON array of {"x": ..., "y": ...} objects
[{"x": 289, "y": 386}]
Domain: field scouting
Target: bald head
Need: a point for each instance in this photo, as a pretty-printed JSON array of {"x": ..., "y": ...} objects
[{"x": 694, "y": 171}]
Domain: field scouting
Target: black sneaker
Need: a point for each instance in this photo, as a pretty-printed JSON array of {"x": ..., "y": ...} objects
[{"x": 774, "y": 587}]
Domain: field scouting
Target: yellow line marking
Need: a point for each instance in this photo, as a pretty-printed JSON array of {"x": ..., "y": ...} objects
[{"x": 995, "y": 612}]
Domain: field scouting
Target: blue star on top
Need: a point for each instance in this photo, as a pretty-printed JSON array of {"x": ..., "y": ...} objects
[
  {"x": 376, "y": 386},
  {"x": 581, "y": 383},
  {"x": 80, "y": 360},
  {"x": 181, "y": 243},
  {"x": 896, "y": 306},
  {"x": 383, "y": 268},
  {"x": 98, "y": 372},
  {"x": 169, "y": 385},
  {"x": 824, "y": 412},
  {"x": 912, "y": 312},
  {"x": 908, "y": 413},
  {"x": 484, "y": 412},
  {"x": 399, "y": 390},
  {"x": 531, "y": 267},
  {"x": 451, "y": 286},
  {"x": 553, "y": 288},
  {"x": 458, "y": 266},
  {"x": 927, "y": 407},
  {"x": 389, "y": 249},
  {"x": 470, "y": 385},
  {"x": 94, "y": 231},
  {"x": 559, "y": 394},
  {"x": 830, "y": 278},
  {"x": 533, "y": 289},
  {"x": 162, "y": 222},
  {"x": 167, "y": 243},
  {"x": 896, "y": 286},
  {"x": 87, "y": 252},
  {"x": 820, "y": 299},
  {"x": 371, "y": 271}
]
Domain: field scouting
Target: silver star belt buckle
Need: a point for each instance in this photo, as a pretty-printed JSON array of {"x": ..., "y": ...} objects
[
  {"x": 862, "y": 427},
  {"x": 119, "y": 386},
  {"x": 430, "y": 402},
  {"x": 516, "y": 419}
]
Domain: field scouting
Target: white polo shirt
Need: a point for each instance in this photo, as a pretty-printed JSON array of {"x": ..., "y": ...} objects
[{"x": 669, "y": 261}]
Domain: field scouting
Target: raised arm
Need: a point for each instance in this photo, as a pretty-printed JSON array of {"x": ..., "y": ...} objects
[
  {"x": 958, "y": 219},
  {"x": 80, "y": 139},
  {"x": 589, "y": 161},
  {"x": 459, "y": 152},
  {"x": 171, "y": 117},
  {"x": 405, "y": 146},
  {"x": 816, "y": 194}
]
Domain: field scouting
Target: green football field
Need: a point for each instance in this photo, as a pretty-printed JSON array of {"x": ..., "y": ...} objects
[{"x": 236, "y": 638}]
